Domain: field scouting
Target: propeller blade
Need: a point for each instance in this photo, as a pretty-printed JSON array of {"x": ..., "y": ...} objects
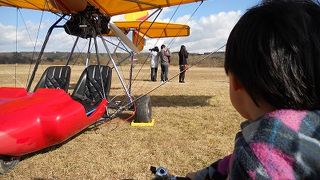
[
  {"x": 123, "y": 37},
  {"x": 138, "y": 40}
]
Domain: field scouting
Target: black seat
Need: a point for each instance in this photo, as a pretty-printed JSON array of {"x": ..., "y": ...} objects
[
  {"x": 57, "y": 77},
  {"x": 93, "y": 85}
]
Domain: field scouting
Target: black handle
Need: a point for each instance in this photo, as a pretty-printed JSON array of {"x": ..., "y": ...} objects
[
  {"x": 153, "y": 169},
  {"x": 167, "y": 177}
]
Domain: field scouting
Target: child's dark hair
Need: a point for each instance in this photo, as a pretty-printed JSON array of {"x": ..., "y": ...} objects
[{"x": 274, "y": 51}]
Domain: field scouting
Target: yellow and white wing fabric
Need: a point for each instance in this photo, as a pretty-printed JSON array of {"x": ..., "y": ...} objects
[
  {"x": 58, "y": 6},
  {"x": 156, "y": 29},
  {"x": 148, "y": 29},
  {"x": 30, "y": 4},
  {"x": 117, "y": 7},
  {"x": 141, "y": 15},
  {"x": 109, "y": 7}
]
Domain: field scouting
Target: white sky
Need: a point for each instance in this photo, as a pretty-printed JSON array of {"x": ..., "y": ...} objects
[{"x": 209, "y": 31}]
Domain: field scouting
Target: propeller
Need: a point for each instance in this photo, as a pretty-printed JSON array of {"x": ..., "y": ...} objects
[{"x": 123, "y": 37}]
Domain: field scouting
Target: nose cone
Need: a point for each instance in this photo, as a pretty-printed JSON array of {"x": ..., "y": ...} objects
[{"x": 69, "y": 6}]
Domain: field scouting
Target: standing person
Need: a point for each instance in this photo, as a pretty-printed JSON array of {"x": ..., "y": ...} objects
[
  {"x": 154, "y": 63},
  {"x": 183, "y": 63},
  {"x": 272, "y": 60},
  {"x": 165, "y": 61}
]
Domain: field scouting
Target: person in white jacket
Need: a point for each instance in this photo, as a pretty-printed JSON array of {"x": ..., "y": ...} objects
[{"x": 154, "y": 63}]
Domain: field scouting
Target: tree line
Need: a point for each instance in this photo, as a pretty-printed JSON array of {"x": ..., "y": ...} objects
[{"x": 203, "y": 60}]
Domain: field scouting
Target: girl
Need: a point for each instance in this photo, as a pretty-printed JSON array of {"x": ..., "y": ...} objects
[{"x": 273, "y": 64}]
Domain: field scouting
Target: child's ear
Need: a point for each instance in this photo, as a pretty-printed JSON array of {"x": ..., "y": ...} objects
[{"x": 235, "y": 83}]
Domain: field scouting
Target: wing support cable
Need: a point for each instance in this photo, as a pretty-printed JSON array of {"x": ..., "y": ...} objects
[
  {"x": 176, "y": 34},
  {"x": 41, "y": 52},
  {"x": 138, "y": 2},
  {"x": 97, "y": 50},
  {"x": 157, "y": 42},
  {"x": 120, "y": 109},
  {"x": 99, "y": 65},
  {"x": 72, "y": 50},
  {"x": 160, "y": 10},
  {"x": 88, "y": 53},
  {"x": 128, "y": 90},
  {"x": 117, "y": 70},
  {"x": 123, "y": 45},
  {"x": 199, "y": 60},
  {"x": 173, "y": 39},
  {"x": 35, "y": 44},
  {"x": 117, "y": 46},
  {"x": 131, "y": 66},
  {"x": 17, "y": 18}
]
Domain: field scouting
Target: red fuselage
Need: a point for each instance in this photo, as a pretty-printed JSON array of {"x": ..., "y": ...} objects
[{"x": 30, "y": 122}]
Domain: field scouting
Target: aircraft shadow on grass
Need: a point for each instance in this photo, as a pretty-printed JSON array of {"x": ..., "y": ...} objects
[
  {"x": 175, "y": 100},
  {"x": 73, "y": 85},
  {"x": 180, "y": 100},
  {"x": 172, "y": 100}
]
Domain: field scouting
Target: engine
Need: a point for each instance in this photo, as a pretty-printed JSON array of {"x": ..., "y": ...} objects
[{"x": 88, "y": 23}]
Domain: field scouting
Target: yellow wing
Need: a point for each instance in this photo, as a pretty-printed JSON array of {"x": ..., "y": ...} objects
[
  {"x": 157, "y": 29},
  {"x": 117, "y": 7},
  {"x": 109, "y": 7},
  {"x": 141, "y": 15},
  {"x": 30, "y": 4}
]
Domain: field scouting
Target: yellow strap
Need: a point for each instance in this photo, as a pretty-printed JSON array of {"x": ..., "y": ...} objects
[{"x": 136, "y": 124}]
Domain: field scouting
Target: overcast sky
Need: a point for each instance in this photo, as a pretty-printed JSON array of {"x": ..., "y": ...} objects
[{"x": 210, "y": 27}]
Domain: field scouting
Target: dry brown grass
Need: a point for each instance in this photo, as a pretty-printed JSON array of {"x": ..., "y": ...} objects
[{"x": 195, "y": 125}]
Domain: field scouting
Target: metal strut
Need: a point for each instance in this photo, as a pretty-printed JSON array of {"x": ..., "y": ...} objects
[
  {"x": 41, "y": 52},
  {"x": 72, "y": 50},
  {"x": 117, "y": 70},
  {"x": 88, "y": 53},
  {"x": 99, "y": 65}
]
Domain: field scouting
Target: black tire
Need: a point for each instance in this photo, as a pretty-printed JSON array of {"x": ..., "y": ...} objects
[
  {"x": 6, "y": 164},
  {"x": 143, "y": 110}
]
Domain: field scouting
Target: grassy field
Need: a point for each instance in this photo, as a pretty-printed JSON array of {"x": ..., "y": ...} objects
[{"x": 195, "y": 125}]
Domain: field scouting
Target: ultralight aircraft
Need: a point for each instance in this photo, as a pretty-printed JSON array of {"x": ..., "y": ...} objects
[{"x": 31, "y": 120}]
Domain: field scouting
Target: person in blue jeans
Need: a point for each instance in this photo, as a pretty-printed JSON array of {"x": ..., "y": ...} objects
[{"x": 165, "y": 62}]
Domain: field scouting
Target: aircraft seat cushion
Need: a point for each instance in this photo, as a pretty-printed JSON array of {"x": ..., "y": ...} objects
[
  {"x": 93, "y": 85},
  {"x": 55, "y": 77}
]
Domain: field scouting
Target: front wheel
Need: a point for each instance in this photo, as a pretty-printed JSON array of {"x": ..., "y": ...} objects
[
  {"x": 7, "y": 164},
  {"x": 143, "y": 110}
]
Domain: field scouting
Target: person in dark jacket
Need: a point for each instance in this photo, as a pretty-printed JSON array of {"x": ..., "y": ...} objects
[
  {"x": 165, "y": 62},
  {"x": 183, "y": 63}
]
